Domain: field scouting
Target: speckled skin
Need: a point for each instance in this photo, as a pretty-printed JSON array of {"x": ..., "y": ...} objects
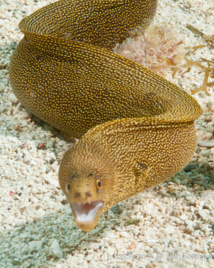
[
  {"x": 128, "y": 157},
  {"x": 140, "y": 126},
  {"x": 54, "y": 65}
]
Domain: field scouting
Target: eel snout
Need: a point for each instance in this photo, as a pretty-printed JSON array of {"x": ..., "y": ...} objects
[
  {"x": 86, "y": 201},
  {"x": 86, "y": 215}
]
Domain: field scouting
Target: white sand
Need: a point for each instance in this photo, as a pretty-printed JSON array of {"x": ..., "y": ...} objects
[{"x": 175, "y": 220}]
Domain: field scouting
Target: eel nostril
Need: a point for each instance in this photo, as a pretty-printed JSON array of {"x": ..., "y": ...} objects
[
  {"x": 77, "y": 195},
  {"x": 88, "y": 194}
]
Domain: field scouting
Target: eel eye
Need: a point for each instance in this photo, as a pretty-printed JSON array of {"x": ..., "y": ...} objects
[
  {"x": 98, "y": 184},
  {"x": 68, "y": 187}
]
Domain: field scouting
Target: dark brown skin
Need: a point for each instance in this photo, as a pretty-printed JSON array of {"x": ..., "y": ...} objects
[{"x": 139, "y": 127}]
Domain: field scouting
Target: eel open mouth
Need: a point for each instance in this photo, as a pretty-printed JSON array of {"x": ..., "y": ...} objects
[{"x": 86, "y": 215}]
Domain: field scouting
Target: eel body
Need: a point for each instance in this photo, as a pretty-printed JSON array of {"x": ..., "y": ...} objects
[{"x": 136, "y": 129}]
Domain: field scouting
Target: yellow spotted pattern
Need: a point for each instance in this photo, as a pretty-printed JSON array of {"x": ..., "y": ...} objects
[
  {"x": 60, "y": 74},
  {"x": 64, "y": 72}
]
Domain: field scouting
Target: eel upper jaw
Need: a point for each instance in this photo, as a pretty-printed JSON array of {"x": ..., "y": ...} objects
[{"x": 87, "y": 214}]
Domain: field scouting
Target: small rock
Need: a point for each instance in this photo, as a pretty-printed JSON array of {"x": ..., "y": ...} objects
[
  {"x": 64, "y": 202},
  {"x": 11, "y": 193},
  {"x": 207, "y": 256},
  {"x": 183, "y": 217},
  {"x": 133, "y": 245},
  {"x": 124, "y": 234},
  {"x": 188, "y": 198},
  {"x": 55, "y": 249},
  {"x": 17, "y": 128},
  {"x": 132, "y": 221},
  {"x": 89, "y": 257},
  {"x": 199, "y": 179},
  {"x": 110, "y": 250},
  {"x": 151, "y": 265},
  {"x": 35, "y": 246},
  {"x": 175, "y": 213},
  {"x": 176, "y": 180},
  {"x": 184, "y": 181},
  {"x": 12, "y": 98},
  {"x": 117, "y": 209},
  {"x": 210, "y": 129},
  {"x": 202, "y": 214},
  {"x": 204, "y": 136},
  {"x": 203, "y": 162},
  {"x": 190, "y": 166},
  {"x": 41, "y": 146},
  {"x": 205, "y": 153},
  {"x": 210, "y": 186},
  {"x": 16, "y": 262},
  {"x": 189, "y": 223},
  {"x": 188, "y": 230},
  {"x": 95, "y": 246},
  {"x": 198, "y": 182},
  {"x": 170, "y": 229},
  {"x": 106, "y": 245},
  {"x": 208, "y": 144},
  {"x": 207, "y": 207}
]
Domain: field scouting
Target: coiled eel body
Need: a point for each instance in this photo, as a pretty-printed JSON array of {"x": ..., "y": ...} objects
[{"x": 136, "y": 129}]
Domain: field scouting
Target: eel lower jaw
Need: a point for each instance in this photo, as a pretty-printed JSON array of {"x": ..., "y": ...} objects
[{"x": 86, "y": 215}]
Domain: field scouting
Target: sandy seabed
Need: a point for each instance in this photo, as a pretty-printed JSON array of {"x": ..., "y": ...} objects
[{"x": 170, "y": 225}]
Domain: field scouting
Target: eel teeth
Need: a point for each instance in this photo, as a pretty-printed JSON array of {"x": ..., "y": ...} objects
[{"x": 86, "y": 211}]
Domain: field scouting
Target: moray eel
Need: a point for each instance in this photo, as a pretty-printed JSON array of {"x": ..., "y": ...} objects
[{"x": 136, "y": 129}]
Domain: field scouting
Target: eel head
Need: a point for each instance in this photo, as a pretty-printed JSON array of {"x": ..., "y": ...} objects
[
  {"x": 85, "y": 197},
  {"x": 87, "y": 178}
]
